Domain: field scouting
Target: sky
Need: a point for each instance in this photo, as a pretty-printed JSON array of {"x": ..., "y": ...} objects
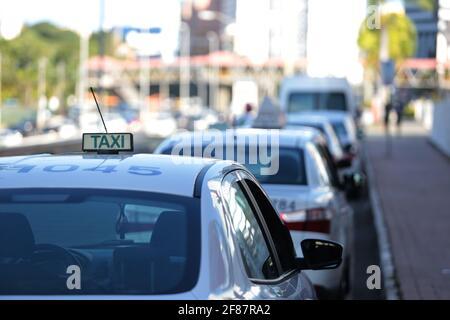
[
  {"x": 84, "y": 14},
  {"x": 332, "y": 38}
]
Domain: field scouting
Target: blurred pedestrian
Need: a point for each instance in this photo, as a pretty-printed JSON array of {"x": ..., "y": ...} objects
[
  {"x": 399, "y": 107},
  {"x": 246, "y": 119},
  {"x": 387, "y": 114}
]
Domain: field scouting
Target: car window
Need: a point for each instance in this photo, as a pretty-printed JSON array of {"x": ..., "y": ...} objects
[
  {"x": 324, "y": 179},
  {"x": 341, "y": 132},
  {"x": 278, "y": 231},
  {"x": 256, "y": 255},
  {"x": 329, "y": 164},
  {"x": 307, "y": 101},
  {"x": 333, "y": 142},
  {"x": 124, "y": 242},
  {"x": 302, "y": 101},
  {"x": 333, "y": 101}
]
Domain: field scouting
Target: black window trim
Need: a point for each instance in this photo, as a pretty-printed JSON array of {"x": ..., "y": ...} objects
[
  {"x": 199, "y": 180},
  {"x": 283, "y": 274},
  {"x": 237, "y": 178},
  {"x": 282, "y": 278}
]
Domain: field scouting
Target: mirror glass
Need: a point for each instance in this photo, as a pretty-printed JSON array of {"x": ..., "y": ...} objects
[
  {"x": 321, "y": 254},
  {"x": 344, "y": 163}
]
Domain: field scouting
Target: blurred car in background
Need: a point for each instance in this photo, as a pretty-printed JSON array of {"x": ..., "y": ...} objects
[
  {"x": 322, "y": 124},
  {"x": 115, "y": 122},
  {"x": 303, "y": 93},
  {"x": 92, "y": 122},
  {"x": 68, "y": 129},
  {"x": 344, "y": 128},
  {"x": 64, "y": 127},
  {"x": 159, "y": 124},
  {"x": 305, "y": 190},
  {"x": 196, "y": 119},
  {"x": 10, "y": 138},
  {"x": 26, "y": 126},
  {"x": 131, "y": 115}
]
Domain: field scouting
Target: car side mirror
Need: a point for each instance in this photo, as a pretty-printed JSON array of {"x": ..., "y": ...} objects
[
  {"x": 353, "y": 184},
  {"x": 344, "y": 163},
  {"x": 347, "y": 148},
  {"x": 320, "y": 255}
]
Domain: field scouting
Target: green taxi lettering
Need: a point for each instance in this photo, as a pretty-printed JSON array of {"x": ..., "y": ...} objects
[
  {"x": 95, "y": 140},
  {"x": 104, "y": 142},
  {"x": 117, "y": 141}
]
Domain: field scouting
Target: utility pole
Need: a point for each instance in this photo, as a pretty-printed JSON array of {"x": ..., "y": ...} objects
[
  {"x": 42, "y": 98},
  {"x": 144, "y": 83},
  {"x": 185, "y": 64},
  {"x": 213, "y": 74},
  {"x": 61, "y": 73}
]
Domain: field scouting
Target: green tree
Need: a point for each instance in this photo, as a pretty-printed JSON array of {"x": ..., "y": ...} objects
[
  {"x": 44, "y": 40},
  {"x": 21, "y": 58},
  {"x": 401, "y": 34}
]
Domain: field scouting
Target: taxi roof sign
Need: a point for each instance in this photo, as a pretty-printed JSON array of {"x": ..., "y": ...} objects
[
  {"x": 107, "y": 142},
  {"x": 269, "y": 115}
]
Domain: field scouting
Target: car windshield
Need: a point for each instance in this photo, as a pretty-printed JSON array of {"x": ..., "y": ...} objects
[
  {"x": 288, "y": 167},
  {"x": 105, "y": 242},
  {"x": 308, "y": 101}
]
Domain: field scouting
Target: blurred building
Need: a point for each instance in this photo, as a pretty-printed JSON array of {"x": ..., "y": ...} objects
[
  {"x": 332, "y": 48},
  {"x": 271, "y": 29},
  {"x": 426, "y": 22},
  {"x": 221, "y": 14}
]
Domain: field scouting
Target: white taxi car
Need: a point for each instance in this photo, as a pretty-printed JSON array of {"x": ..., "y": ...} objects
[
  {"x": 339, "y": 124},
  {"x": 305, "y": 188},
  {"x": 323, "y": 125},
  {"x": 104, "y": 225}
]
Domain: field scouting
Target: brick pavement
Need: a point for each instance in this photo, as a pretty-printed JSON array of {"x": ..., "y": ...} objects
[{"x": 413, "y": 185}]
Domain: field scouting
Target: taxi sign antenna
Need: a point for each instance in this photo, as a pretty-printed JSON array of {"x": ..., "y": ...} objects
[{"x": 98, "y": 108}]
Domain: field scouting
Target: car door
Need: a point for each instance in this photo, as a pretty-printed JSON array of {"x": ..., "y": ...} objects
[
  {"x": 268, "y": 261},
  {"x": 339, "y": 200}
]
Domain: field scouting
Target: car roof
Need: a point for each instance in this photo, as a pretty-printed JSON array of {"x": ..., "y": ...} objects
[
  {"x": 41, "y": 171},
  {"x": 294, "y": 137},
  {"x": 316, "y": 84},
  {"x": 332, "y": 115}
]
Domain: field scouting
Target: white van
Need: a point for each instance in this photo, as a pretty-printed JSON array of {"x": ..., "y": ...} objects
[{"x": 303, "y": 93}]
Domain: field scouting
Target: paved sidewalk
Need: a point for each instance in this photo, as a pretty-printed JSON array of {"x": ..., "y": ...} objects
[{"x": 413, "y": 185}]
